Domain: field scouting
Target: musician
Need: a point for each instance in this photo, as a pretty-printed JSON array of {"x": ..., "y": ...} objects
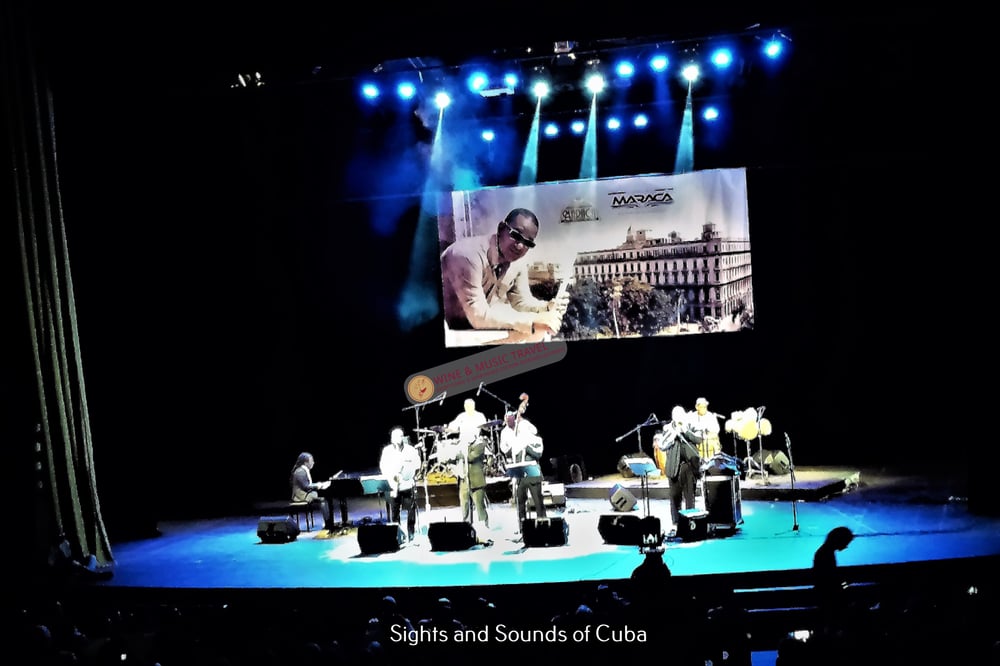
[
  {"x": 304, "y": 489},
  {"x": 683, "y": 464},
  {"x": 519, "y": 439},
  {"x": 486, "y": 281},
  {"x": 399, "y": 464},
  {"x": 467, "y": 456},
  {"x": 705, "y": 424}
]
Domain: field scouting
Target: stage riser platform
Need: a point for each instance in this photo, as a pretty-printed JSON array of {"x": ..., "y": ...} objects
[{"x": 809, "y": 485}]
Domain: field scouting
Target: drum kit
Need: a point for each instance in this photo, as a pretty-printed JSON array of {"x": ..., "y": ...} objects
[{"x": 493, "y": 465}]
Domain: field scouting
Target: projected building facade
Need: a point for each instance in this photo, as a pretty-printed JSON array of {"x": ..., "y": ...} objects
[{"x": 713, "y": 272}]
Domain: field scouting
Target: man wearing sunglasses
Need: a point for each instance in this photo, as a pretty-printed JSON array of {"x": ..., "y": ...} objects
[{"x": 486, "y": 281}]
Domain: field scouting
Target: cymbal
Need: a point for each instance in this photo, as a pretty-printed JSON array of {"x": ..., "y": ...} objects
[
  {"x": 491, "y": 424},
  {"x": 427, "y": 431}
]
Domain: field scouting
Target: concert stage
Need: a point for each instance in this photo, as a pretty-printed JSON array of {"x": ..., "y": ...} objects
[{"x": 896, "y": 517}]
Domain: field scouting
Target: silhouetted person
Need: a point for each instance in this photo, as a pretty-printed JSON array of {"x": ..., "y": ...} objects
[{"x": 828, "y": 584}]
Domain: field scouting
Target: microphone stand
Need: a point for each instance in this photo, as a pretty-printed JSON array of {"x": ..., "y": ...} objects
[
  {"x": 494, "y": 443},
  {"x": 791, "y": 471},
  {"x": 650, "y": 420},
  {"x": 506, "y": 405},
  {"x": 423, "y": 451}
]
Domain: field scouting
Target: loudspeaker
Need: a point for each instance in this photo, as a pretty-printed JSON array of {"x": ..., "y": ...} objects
[
  {"x": 722, "y": 500},
  {"x": 622, "y": 499},
  {"x": 692, "y": 525},
  {"x": 776, "y": 462},
  {"x": 544, "y": 531},
  {"x": 279, "y": 529},
  {"x": 628, "y": 529},
  {"x": 553, "y": 494},
  {"x": 375, "y": 538},
  {"x": 451, "y": 536}
]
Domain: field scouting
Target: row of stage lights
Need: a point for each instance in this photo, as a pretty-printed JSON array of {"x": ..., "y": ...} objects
[
  {"x": 639, "y": 121},
  {"x": 483, "y": 84}
]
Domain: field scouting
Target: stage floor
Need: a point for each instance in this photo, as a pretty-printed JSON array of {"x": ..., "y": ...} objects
[{"x": 897, "y": 517}]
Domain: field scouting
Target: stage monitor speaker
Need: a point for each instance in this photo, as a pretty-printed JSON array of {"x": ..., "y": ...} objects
[
  {"x": 722, "y": 500},
  {"x": 451, "y": 536},
  {"x": 629, "y": 529},
  {"x": 692, "y": 525},
  {"x": 544, "y": 531},
  {"x": 278, "y": 529},
  {"x": 622, "y": 499},
  {"x": 375, "y": 538},
  {"x": 776, "y": 462}
]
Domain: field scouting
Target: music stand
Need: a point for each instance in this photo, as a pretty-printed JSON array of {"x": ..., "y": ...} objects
[
  {"x": 341, "y": 489},
  {"x": 643, "y": 467}
]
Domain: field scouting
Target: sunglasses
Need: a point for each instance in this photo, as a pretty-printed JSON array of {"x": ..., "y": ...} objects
[{"x": 518, "y": 236}]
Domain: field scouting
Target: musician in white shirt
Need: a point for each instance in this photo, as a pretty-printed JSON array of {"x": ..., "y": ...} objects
[
  {"x": 705, "y": 424},
  {"x": 520, "y": 440},
  {"x": 399, "y": 464}
]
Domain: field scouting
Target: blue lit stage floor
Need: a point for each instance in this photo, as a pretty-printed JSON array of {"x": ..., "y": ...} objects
[{"x": 896, "y": 517}]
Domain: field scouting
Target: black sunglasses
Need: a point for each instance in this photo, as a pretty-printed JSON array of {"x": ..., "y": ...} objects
[{"x": 518, "y": 236}]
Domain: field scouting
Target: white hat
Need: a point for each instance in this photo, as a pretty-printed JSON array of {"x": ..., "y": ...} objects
[{"x": 701, "y": 401}]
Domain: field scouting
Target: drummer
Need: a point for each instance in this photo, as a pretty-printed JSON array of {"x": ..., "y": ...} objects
[{"x": 466, "y": 455}]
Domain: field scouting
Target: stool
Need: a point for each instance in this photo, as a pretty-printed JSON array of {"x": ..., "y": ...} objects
[{"x": 300, "y": 509}]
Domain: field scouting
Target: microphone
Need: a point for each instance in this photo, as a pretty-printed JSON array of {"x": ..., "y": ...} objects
[
  {"x": 443, "y": 395},
  {"x": 480, "y": 390},
  {"x": 718, "y": 416}
]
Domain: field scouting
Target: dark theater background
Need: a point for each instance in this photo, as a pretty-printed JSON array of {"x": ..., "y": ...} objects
[{"x": 254, "y": 274}]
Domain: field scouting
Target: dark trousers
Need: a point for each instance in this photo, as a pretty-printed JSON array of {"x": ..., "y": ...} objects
[
  {"x": 320, "y": 502},
  {"x": 681, "y": 489},
  {"x": 533, "y": 485},
  {"x": 405, "y": 500},
  {"x": 469, "y": 496}
]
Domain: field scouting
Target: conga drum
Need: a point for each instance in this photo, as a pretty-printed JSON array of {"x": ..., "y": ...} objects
[{"x": 660, "y": 458}]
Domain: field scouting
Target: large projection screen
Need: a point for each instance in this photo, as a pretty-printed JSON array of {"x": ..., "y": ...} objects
[{"x": 637, "y": 256}]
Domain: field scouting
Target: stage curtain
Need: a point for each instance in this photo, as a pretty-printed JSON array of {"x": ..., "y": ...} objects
[{"x": 67, "y": 446}]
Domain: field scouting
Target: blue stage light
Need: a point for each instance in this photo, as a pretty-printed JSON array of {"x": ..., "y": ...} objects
[
  {"x": 477, "y": 81},
  {"x": 406, "y": 90},
  {"x": 722, "y": 58}
]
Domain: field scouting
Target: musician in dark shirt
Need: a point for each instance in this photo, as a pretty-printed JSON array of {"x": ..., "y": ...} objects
[
  {"x": 683, "y": 464},
  {"x": 304, "y": 489}
]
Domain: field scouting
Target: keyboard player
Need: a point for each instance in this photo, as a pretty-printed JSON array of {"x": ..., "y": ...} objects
[{"x": 304, "y": 489}]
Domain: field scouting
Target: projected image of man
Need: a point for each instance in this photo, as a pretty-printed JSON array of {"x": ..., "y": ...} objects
[{"x": 486, "y": 280}]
